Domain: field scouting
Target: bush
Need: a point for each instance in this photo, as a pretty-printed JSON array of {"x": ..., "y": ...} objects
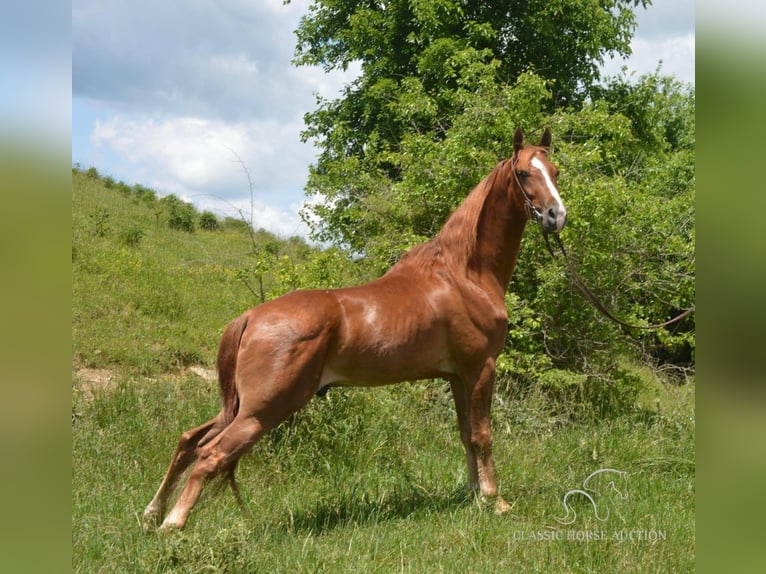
[
  {"x": 208, "y": 221},
  {"x": 124, "y": 188},
  {"x": 132, "y": 236},
  {"x": 181, "y": 215},
  {"x": 149, "y": 196},
  {"x": 236, "y": 224},
  {"x": 100, "y": 219}
]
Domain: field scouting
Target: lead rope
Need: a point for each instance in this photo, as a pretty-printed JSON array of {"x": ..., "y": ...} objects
[
  {"x": 534, "y": 214},
  {"x": 588, "y": 294}
]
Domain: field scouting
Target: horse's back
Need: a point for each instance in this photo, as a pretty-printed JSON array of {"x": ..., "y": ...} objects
[{"x": 386, "y": 331}]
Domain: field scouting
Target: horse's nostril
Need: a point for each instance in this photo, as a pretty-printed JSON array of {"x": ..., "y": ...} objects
[{"x": 552, "y": 213}]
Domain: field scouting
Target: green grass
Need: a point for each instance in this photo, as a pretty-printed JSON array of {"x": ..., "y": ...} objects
[
  {"x": 148, "y": 298},
  {"x": 360, "y": 481},
  {"x": 374, "y": 480}
]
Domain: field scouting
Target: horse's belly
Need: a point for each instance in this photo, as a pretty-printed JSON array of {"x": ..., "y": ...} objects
[{"x": 387, "y": 365}]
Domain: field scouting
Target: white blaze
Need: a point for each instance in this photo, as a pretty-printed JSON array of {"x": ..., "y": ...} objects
[{"x": 548, "y": 181}]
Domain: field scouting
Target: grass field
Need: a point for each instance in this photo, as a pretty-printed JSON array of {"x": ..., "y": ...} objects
[
  {"x": 360, "y": 481},
  {"x": 373, "y": 481}
]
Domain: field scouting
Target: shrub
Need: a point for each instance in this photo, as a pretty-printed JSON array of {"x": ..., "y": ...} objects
[
  {"x": 124, "y": 188},
  {"x": 149, "y": 196},
  {"x": 208, "y": 221},
  {"x": 181, "y": 215},
  {"x": 100, "y": 219},
  {"x": 132, "y": 236}
]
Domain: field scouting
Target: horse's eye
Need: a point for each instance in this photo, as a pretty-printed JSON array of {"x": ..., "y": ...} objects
[{"x": 523, "y": 174}]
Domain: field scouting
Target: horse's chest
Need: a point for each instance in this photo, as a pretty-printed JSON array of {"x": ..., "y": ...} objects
[{"x": 479, "y": 330}]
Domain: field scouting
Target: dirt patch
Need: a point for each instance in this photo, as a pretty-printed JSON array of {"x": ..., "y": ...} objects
[
  {"x": 202, "y": 372},
  {"x": 91, "y": 380}
]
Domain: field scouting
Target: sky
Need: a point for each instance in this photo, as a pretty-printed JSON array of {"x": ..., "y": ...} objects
[{"x": 201, "y": 100}]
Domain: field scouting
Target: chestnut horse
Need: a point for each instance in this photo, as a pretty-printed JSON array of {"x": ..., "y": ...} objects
[{"x": 438, "y": 312}]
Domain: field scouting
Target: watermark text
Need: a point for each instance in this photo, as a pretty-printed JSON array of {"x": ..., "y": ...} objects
[{"x": 621, "y": 535}]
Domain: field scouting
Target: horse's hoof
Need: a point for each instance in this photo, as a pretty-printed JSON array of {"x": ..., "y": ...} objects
[
  {"x": 150, "y": 518},
  {"x": 169, "y": 527},
  {"x": 501, "y": 506}
]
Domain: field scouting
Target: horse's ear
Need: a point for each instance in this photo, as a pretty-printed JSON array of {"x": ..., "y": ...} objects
[
  {"x": 545, "y": 141},
  {"x": 518, "y": 141}
]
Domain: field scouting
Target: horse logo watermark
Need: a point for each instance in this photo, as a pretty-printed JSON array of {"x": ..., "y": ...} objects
[{"x": 592, "y": 493}]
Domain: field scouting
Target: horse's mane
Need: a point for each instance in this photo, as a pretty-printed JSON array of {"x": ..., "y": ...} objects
[
  {"x": 456, "y": 242},
  {"x": 460, "y": 233}
]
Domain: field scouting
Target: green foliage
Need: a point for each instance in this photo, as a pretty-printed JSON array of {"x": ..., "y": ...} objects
[
  {"x": 372, "y": 212},
  {"x": 100, "y": 221},
  {"x": 208, "y": 221},
  {"x": 147, "y": 195},
  {"x": 443, "y": 86},
  {"x": 430, "y": 69},
  {"x": 631, "y": 229},
  {"x": 435, "y": 40},
  {"x": 375, "y": 481},
  {"x": 181, "y": 215},
  {"x": 627, "y": 162},
  {"x": 132, "y": 236}
]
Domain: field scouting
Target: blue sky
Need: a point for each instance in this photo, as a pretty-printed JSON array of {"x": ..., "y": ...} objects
[{"x": 174, "y": 94}]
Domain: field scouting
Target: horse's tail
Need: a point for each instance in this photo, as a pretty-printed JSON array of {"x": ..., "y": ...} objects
[{"x": 227, "y": 366}]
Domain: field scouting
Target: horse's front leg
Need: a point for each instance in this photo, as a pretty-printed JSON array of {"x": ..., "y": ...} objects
[
  {"x": 480, "y": 403},
  {"x": 460, "y": 395}
]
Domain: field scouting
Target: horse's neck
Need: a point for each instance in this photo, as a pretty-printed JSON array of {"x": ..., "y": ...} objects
[
  {"x": 484, "y": 234},
  {"x": 498, "y": 241}
]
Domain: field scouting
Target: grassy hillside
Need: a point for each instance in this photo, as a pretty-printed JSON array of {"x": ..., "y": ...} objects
[
  {"x": 153, "y": 286},
  {"x": 363, "y": 480}
]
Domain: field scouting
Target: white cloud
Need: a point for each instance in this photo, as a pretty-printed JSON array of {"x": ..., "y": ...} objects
[
  {"x": 327, "y": 85},
  {"x": 199, "y": 160},
  {"x": 282, "y": 222},
  {"x": 675, "y": 53},
  {"x": 665, "y": 34},
  {"x": 666, "y": 18},
  {"x": 175, "y": 90}
]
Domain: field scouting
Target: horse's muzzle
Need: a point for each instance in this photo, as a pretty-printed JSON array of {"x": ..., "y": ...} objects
[{"x": 554, "y": 219}]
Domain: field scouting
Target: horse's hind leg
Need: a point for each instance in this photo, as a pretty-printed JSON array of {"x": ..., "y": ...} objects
[
  {"x": 215, "y": 457},
  {"x": 183, "y": 457}
]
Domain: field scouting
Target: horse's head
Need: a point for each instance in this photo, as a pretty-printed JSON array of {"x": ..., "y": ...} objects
[{"x": 535, "y": 176}]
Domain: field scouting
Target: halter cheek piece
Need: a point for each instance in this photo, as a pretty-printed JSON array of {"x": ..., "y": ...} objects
[{"x": 532, "y": 212}]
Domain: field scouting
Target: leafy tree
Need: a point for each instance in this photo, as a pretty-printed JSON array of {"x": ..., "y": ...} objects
[
  {"x": 433, "y": 40},
  {"x": 423, "y": 61}
]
